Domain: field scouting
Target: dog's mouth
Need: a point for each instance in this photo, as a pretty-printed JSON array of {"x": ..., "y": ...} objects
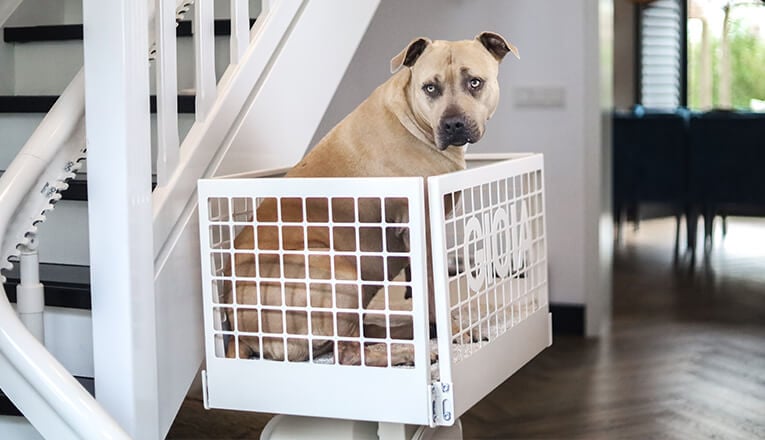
[
  {"x": 458, "y": 142},
  {"x": 457, "y": 131}
]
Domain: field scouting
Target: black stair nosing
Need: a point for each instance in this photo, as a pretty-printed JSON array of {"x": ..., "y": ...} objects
[
  {"x": 57, "y": 293},
  {"x": 77, "y": 190},
  {"x": 7, "y": 408},
  {"x": 43, "y": 103},
  {"x": 70, "y": 32}
]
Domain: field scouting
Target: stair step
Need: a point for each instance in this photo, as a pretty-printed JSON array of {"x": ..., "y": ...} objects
[
  {"x": 68, "y": 32},
  {"x": 42, "y": 104},
  {"x": 65, "y": 285},
  {"x": 67, "y": 316}
]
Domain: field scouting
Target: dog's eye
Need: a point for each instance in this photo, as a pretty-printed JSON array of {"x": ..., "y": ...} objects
[
  {"x": 475, "y": 83},
  {"x": 431, "y": 90}
]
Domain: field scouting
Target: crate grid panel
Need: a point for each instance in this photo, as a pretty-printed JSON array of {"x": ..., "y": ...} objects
[
  {"x": 265, "y": 275},
  {"x": 493, "y": 238}
]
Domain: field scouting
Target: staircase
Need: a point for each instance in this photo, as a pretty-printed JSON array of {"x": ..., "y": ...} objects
[{"x": 123, "y": 298}]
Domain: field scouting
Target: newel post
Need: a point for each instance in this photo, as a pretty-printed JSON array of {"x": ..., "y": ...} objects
[{"x": 120, "y": 212}]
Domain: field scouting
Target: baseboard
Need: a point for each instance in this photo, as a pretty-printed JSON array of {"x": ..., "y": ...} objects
[{"x": 568, "y": 319}]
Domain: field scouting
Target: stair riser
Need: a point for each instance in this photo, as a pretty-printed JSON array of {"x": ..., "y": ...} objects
[
  {"x": 17, "y": 128},
  {"x": 63, "y": 237},
  {"x": 69, "y": 337},
  {"x": 34, "y": 62}
]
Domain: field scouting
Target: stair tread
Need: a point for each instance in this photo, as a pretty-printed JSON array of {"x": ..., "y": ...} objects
[{"x": 70, "y": 32}]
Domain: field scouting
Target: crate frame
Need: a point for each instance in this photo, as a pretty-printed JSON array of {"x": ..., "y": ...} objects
[{"x": 397, "y": 395}]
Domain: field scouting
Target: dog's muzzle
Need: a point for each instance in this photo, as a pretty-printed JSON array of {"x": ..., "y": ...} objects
[{"x": 456, "y": 131}]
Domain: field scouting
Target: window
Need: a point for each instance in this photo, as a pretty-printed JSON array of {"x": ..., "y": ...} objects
[
  {"x": 662, "y": 56},
  {"x": 726, "y": 54}
]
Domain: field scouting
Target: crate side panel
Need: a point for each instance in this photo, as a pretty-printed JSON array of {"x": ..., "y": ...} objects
[
  {"x": 490, "y": 268},
  {"x": 496, "y": 362},
  {"x": 304, "y": 281}
]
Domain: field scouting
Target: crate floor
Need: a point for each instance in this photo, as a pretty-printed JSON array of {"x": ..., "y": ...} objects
[{"x": 685, "y": 359}]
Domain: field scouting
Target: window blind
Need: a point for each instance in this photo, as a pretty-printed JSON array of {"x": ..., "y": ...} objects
[{"x": 661, "y": 54}]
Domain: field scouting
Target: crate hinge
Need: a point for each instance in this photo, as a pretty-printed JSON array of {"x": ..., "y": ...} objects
[{"x": 441, "y": 396}]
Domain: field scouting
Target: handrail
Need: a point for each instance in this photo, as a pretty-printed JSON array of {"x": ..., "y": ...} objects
[{"x": 64, "y": 407}]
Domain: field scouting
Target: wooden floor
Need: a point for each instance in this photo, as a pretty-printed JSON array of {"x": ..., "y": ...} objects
[{"x": 685, "y": 358}]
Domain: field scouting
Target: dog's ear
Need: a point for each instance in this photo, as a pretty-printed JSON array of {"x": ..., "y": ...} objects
[
  {"x": 496, "y": 45},
  {"x": 409, "y": 55}
]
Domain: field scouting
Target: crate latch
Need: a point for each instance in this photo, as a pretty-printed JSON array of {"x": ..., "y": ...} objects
[{"x": 442, "y": 398}]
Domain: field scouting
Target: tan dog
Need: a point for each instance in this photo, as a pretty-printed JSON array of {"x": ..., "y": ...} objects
[{"x": 439, "y": 99}]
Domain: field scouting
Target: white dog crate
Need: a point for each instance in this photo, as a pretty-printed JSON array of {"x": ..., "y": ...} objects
[{"x": 306, "y": 284}]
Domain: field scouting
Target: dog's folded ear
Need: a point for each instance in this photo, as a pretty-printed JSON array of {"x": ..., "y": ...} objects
[
  {"x": 496, "y": 45},
  {"x": 409, "y": 55}
]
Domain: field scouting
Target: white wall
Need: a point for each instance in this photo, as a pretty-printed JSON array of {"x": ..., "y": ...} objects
[{"x": 555, "y": 40}]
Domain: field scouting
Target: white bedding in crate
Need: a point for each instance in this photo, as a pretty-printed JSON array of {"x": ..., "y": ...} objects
[{"x": 490, "y": 329}]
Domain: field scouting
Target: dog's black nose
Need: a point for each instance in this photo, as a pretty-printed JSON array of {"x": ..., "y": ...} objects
[
  {"x": 453, "y": 126},
  {"x": 453, "y": 131}
]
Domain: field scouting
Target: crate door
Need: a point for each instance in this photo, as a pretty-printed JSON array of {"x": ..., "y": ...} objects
[
  {"x": 288, "y": 264},
  {"x": 490, "y": 272}
]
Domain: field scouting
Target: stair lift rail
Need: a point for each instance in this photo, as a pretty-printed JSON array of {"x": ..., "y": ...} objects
[{"x": 53, "y": 401}]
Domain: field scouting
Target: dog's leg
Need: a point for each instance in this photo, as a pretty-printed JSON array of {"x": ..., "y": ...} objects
[
  {"x": 408, "y": 277},
  {"x": 247, "y": 348},
  {"x": 376, "y": 355}
]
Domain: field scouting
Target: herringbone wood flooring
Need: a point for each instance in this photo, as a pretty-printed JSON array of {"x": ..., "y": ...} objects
[{"x": 685, "y": 358}]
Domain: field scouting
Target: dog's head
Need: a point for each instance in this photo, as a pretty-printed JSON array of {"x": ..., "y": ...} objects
[{"x": 453, "y": 87}]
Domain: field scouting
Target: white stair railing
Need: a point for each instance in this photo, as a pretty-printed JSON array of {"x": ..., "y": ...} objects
[{"x": 155, "y": 324}]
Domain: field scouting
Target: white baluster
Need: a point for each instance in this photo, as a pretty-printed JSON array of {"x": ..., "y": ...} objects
[
  {"x": 30, "y": 295},
  {"x": 167, "y": 91},
  {"x": 240, "y": 29},
  {"x": 204, "y": 50}
]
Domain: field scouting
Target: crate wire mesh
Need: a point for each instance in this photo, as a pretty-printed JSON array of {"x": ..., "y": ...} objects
[
  {"x": 490, "y": 273},
  {"x": 304, "y": 291}
]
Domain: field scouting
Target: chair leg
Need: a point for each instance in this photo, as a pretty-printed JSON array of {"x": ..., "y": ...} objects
[
  {"x": 678, "y": 219},
  {"x": 709, "y": 223},
  {"x": 619, "y": 224},
  {"x": 724, "y": 225},
  {"x": 691, "y": 226}
]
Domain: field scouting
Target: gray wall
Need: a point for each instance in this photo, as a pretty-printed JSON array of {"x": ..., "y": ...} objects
[{"x": 559, "y": 45}]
